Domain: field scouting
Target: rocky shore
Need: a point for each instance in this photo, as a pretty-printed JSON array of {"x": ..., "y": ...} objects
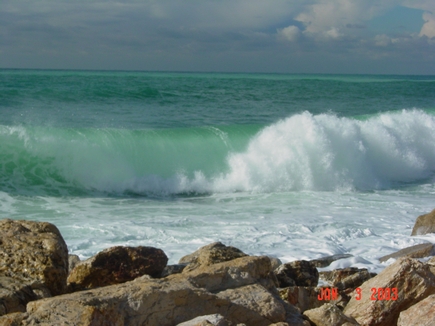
[{"x": 40, "y": 284}]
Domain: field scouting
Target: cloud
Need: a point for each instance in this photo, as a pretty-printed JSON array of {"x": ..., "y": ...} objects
[
  {"x": 290, "y": 33},
  {"x": 428, "y": 28}
]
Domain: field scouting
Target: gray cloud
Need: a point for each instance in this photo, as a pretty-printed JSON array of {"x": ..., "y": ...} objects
[{"x": 240, "y": 35}]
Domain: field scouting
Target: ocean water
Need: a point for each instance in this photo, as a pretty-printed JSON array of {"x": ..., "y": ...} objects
[{"x": 292, "y": 166}]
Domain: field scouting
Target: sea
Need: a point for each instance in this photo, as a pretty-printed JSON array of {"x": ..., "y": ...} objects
[{"x": 296, "y": 167}]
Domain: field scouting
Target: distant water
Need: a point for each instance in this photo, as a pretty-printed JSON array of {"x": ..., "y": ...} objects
[{"x": 294, "y": 166}]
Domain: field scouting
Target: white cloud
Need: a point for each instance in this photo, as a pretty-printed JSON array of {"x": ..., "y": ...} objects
[
  {"x": 327, "y": 17},
  {"x": 290, "y": 33},
  {"x": 428, "y": 28}
]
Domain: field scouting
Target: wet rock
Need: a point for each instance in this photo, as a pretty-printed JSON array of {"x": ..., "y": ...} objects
[
  {"x": 211, "y": 254},
  {"x": 117, "y": 265},
  {"x": 329, "y": 315},
  {"x": 326, "y": 261},
  {"x": 423, "y": 311},
  {"x": 408, "y": 281},
  {"x": 424, "y": 224},
  {"x": 297, "y": 273},
  {"x": 417, "y": 251}
]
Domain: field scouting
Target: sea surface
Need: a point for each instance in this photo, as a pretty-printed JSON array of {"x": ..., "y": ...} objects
[{"x": 292, "y": 166}]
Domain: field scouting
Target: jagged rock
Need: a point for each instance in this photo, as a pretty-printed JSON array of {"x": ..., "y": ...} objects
[
  {"x": 329, "y": 315},
  {"x": 211, "y": 254},
  {"x": 297, "y": 273},
  {"x": 326, "y": 261},
  {"x": 276, "y": 262},
  {"x": 173, "y": 269},
  {"x": 13, "y": 319},
  {"x": 346, "y": 278},
  {"x": 174, "y": 299},
  {"x": 424, "y": 224},
  {"x": 34, "y": 251},
  {"x": 413, "y": 281},
  {"x": 33, "y": 263},
  {"x": 423, "y": 311},
  {"x": 117, "y": 265},
  {"x": 417, "y": 251},
  {"x": 73, "y": 260}
]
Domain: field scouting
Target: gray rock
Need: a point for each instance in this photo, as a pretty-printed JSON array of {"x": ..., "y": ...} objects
[{"x": 326, "y": 261}]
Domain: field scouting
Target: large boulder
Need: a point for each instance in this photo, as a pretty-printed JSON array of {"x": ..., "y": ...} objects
[
  {"x": 34, "y": 251},
  {"x": 407, "y": 281},
  {"x": 210, "y": 254},
  {"x": 424, "y": 224},
  {"x": 232, "y": 289},
  {"x": 33, "y": 263},
  {"x": 424, "y": 312},
  {"x": 117, "y": 265}
]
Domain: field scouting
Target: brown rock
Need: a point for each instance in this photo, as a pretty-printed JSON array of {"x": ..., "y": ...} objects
[
  {"x": 211, "y": 254},
  {"x": 413, "y": 281},
  {"x": 417, "y": 251},
  {"x": 172, "y": 300},
  {"x": 297, "y": 273},
  {"x": 117, "y": 265},
  {"x": 302, "y": 297},
  {"x": 329, "y": 315},
  {"x": 13, "y": 319},
  {"x": 254, "y": 301},
  {"x": 326, "y": 261},
  {"x": 424, "y": 224},
  {"x": 346, "y": 278},
  {"x": 423, "y": 312},
  {"x": 34, "y": 252}
]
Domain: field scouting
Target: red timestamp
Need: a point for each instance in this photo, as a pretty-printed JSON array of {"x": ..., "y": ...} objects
[{"x": 379, "y": 294}]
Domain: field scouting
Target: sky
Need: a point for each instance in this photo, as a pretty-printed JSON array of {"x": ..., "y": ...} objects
[{"x": 269, "y": 36}]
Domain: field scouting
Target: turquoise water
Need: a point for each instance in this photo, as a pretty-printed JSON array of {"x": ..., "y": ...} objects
[{"x": 296, "y": 166}]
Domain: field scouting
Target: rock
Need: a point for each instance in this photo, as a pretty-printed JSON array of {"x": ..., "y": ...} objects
[
  {"x": 424, "y": 224},
  {"x": 346, "y": 278},
  {"x": 173, "y": 269},
  {"x": 211, "y": 254},
  {"x": 34, "y": 251},
  {"x": 276, "y": 262},
  {"x": 417, "y": 251},
  {"x": 212, "y": 320},
  {"x": 13, "y": 319},
  {"x": 329, "y": 315},
  {"x": 257, "y": 301},
  {"x": 297, "y": 273},
  {"x": 73, "y": 260},
  {"x": 14, "y": 295},
  {"x": 302, "y": 297},
  {"x": 413, "y": 281},
  {"x": 326, "y": 261},
  {"x": 117, "y": 265},
  {"x": 423, "y": 311},
  {"x": 174, "y": 299}
]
